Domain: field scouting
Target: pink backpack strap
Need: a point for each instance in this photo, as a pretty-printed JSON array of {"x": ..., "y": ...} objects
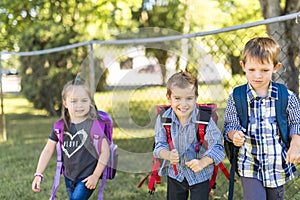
[{"x": 58, "y": 128}]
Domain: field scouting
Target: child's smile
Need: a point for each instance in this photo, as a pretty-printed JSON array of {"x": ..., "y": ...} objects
[{"x": 183, "y": 101}]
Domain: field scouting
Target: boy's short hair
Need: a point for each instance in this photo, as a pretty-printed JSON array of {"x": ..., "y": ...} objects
[
  {"x": 264, "y": 49},
  {"x": 182, "y": 79}
]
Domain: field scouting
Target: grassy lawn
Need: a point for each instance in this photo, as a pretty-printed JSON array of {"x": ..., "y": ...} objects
[{"x": 134, "y": 116}]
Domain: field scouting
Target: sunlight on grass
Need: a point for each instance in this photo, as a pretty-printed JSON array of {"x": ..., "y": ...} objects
[{"x": 17, "y": 104}]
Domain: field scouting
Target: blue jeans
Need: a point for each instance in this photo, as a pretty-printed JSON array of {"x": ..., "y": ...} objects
[{"x": 76, "y": 189}]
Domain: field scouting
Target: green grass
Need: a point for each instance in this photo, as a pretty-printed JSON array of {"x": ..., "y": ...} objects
[
  {"x": 133, "y": 113},
  {"x": 27, "y": 132}
]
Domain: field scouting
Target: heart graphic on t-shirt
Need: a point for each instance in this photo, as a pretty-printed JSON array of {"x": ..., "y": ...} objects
[{"x": 82, "y": 135}]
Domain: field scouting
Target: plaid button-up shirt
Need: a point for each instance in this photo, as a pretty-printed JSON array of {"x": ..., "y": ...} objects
[
  {"x": 185, "y": 141},
  {"x": 263, "y": 154}
]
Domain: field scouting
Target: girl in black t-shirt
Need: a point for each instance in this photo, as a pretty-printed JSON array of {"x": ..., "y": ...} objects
[{"x": 82, "y": 165}]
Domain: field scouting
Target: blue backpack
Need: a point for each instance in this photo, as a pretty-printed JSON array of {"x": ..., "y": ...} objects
[
  {"x": 240, "y": 99},
  {"x": 101, "y": 127}
]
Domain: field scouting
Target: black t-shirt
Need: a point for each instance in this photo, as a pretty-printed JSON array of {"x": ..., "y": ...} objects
[{"x": 79, "y": 155}]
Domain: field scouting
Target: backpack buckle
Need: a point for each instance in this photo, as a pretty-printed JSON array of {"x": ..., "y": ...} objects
[{"x": 96, "y": 137}]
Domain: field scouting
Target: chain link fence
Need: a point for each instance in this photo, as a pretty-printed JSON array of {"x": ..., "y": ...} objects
[{"x": 136, "y": 77}]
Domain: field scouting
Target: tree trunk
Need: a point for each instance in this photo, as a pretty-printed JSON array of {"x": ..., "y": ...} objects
[{"x": 287, "y": 35}]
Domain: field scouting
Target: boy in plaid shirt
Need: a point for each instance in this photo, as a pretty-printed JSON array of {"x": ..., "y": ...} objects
[
  {"x": 195, "y": 168},
  {"x": 264, "y": 162}
]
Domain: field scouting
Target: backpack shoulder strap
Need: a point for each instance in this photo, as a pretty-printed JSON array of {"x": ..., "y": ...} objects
[
  {"x": 206, "y": 112},
  {"x": 166, "y": 122},
  {"x": 107, "y": 122},
  {"x": 203, "y": 117},
  {"x": 281, "y": 114},
  {"x": 156, "y": 162},
  {"x": 96, "y": 134},
  {"x": 101, "y": 127},
  {"x": 240, "y": 99},
  {"x": 58, "y": 128}
]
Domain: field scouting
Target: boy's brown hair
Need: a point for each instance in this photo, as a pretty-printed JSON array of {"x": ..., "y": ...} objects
[
  {"x": 264, "y": 49},
  {"x": 182, "y": 79}
]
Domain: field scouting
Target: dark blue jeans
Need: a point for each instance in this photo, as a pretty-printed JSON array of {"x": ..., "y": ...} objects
[{"x": 76, "y": 189}]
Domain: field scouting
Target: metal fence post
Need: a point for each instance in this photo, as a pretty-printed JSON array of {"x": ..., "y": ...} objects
[
  {"x": 92, "y": 69},
  {"x": 2, "y": 110}
]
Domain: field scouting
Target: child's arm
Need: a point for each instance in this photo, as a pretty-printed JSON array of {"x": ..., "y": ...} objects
[
  {"x": 293, "y": 154},
  {"x": 215, "y": 149},
  {"x": 44, "y": 159},
  {"x": 92, "y": 180},
  {"x": 237, "y": 137},
  {"x": 232, "y": 128},
  {"x": 198, "y": 165},
  {"x": 172, "y": 156}
]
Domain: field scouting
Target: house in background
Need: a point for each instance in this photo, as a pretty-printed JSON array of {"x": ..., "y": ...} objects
[
  {"x": 135, "y": 70},
  {"x": 11, "y": 81}
]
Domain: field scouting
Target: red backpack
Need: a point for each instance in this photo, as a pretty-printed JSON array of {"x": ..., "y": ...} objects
[
  {"x": 101, "y": 127},
  {"x": 206, "y": 111}
]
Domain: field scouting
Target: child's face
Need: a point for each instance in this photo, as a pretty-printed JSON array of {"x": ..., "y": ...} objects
[
  {"x": 259, "y": 75},
  {"x": 78, "y": 103},
  {"x": 182, "y": 101}
]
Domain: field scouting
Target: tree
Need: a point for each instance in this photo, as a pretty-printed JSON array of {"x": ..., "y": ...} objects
[
  {"x": 41, "y": 25},
  {"x": 287, "y": 35},
  {"x": 164, "y": 14},
  {"x": 230, "y": 44},
  {"x": 53, "y": 26}
]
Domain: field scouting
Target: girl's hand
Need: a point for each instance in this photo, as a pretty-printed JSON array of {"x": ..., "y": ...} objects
[
  {"x": 91, "y": 181},
  {"x": 36, "y": 183}
]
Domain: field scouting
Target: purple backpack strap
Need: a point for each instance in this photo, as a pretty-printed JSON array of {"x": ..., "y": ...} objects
[
  {"x": 97, "y": 133},
  {"x": 58, "y": 128},
  {"x": 108, "y": 124},
  {"x": 98, "y": 130}
]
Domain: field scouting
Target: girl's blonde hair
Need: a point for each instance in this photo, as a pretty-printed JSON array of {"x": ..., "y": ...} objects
[
  {"x": 93, "y": 113},
  {"x": 264, "y": 49}
]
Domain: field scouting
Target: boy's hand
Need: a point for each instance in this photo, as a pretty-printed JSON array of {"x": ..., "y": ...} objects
[
  {"x": 195, "y": 165},
  {"x": 238, "y": 138},
  {"x": 198, "y": 165},
  {"x": 91, "y": 181},
  {"x": 174, "y": 157},
  {"x": 293, "y": 154}
]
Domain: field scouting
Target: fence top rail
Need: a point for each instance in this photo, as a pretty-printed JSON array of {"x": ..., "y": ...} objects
[{"x": 156, "y": 39}]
